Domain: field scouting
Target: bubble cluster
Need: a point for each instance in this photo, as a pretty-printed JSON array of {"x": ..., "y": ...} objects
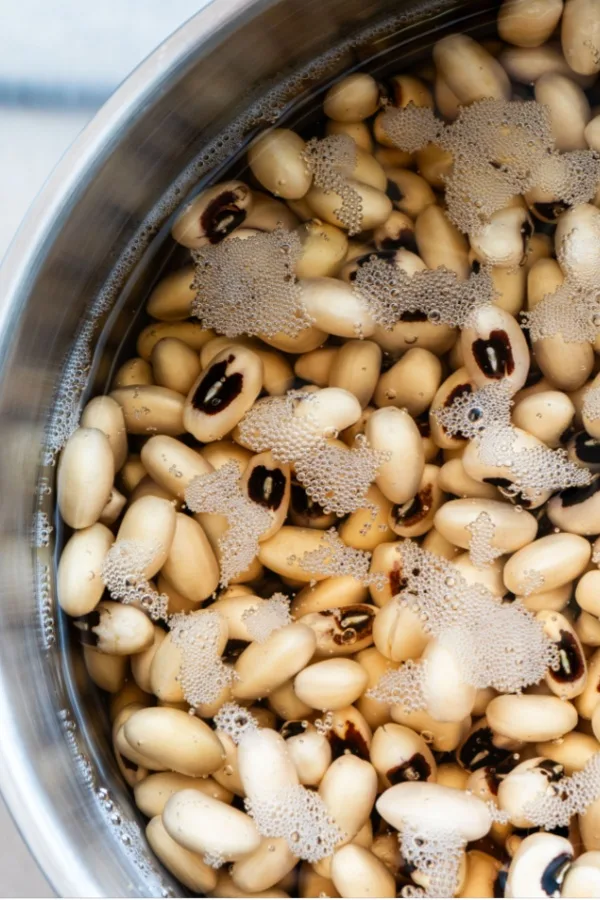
[
  {"x": 202, "y": 675},
  {"x": 261, "y": 621},
  {"x": 436, "y": 854},
  {"x": 572, "y": 311},
  {"x": 123, "y": 574},
  {"x": 404, "y": 686},
  {"x": 332, "y": 558},
  {"x": 300, "y": 817},
  {"x": 561, "y": 800},
  {"x": 42, "y": 529},
  {"x": 331, "y": 160},
  {"x": 65, "y": 407},
  {"x": 591, "y": 404},
  {"x": 235, "y": 721},
  {"x": 214, "y": 860},
  {"x": 249, "y": 287},
  {"x": 390, "y": 293},
  {"x": 532, "y": 581},
  {"x": 481, "y": 552},
  {"x": 337, "y": 478},
  {"x": 220, "y": 493}
]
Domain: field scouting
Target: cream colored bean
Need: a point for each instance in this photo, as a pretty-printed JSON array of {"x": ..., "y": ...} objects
[
  {"x": 366, "y": 528},
  {"x": 129, "y": 694},
  {"x": 264, "y": 750},
  {"x": 356, "y": 369},
  {"x": 332, "y": 593},
  {"x": 419, "y": 333},
  {"x": 176, "y": 740},
  {"x": 490, "y": 577},
  {"x": 187, "y": 867},
  {"x": 411, "y": 383},
  {"x": 213, "y": 214},
  {"x": 568, "y": 107},
  {"x": 354, "y": 98},
  {"x": 148, "y": 487},
  {"x": 172, "y": 464},
  {"x": 342, "y": 632},
  {"x": 576, "y": 241},
  {"x": 330, "y": 410},
  {"x": 106, "y": 415},
  {"x": 539, "y": 865},
  {"x": 331, "y": 684},
  {"x": 134, "y": 371},
  {"x": 85, "y": 476},
  {"x": 233, "y": 608},
  {"x": 263, "y": 667},
  {"x": 286, "y": 705},
  {"x": 398, "y": 632},
  {"x": 454, "y": 480},
  {"x": 335, "y": 308},
  {"x": 324, "y": 249},
  {"x": 577, "y": 510},
  {"x": 435, "y": 543},
  {"x": 132, "y": 473},
  {"x": 116, "y": 629},
  {"x": 504, "y": 240},
  {"x": 440, "y": 242},
  {"x": 265, "y": 867},
  {"x": 456, "y": 385},
  {"x": 358, "y": 131},
  {"x": 451, "y": 775},
  {"x": 572, "y": 751},
  {"x": 531, "y": 717},
  {"x": 311, "y": 754},
  {"x": 268, "y": 213},
  {"x": 394, "y": 431},
  {"x": 423, "y": 805},
  {"x": 587, "y": 592},
  {"x": 587, "y": 701},
  {"x": 150, "y": 521},
  {"x": 435, "y": 165},
  {"x": 400, "y": 754},
  {"x": 374, "y": 712},
  {"x": 171, "y": 299},
  {"x": 469, "y": 70},
  {"x": 589, "y": 825},
  {"x": 444, "y": 736},
  {"x": 582, "y": 878},
  {"x": 175, "y": 365},
  {"x": 283, "y": 552},
  {"x": 386, "y": 559},
  {"x": 526, "y": 65},
  {"x": 587, "y": 628},
  {"x": 592, "y": 133},
  {"x": 205, "y": 825},
  {"x": 316, "y": 365},
  {"x": 557, "y": 558},
  {"x": 528, "y": 24},
  {"x": 79, "y": 578},
  {"x": 133, "y": 766},
  {"x": 107, "y": 671},
  {"x": 226, "y": 888},
  {"x": 523, "y": 783},
  {"x": 389, "y": 157},
  {"x": 410, "y": 193},
  {"x": 152, "y": 793},
  {"x": 191, "y": 566},
  {"x": 357, "y": 872},
  {"x": 513, "y": 528},
  {"x": 482, "y": 872},
  {"x": 149, "y": 409},
  {"x": 223, "y": 393},
  {"x": 446, "y": 100},
  {"x": 347, "y": 777},
  {"x": 141, "y": 662},
  {"x": 415, "y": 517},
  {"x": 580, "y": 36},
  {"x": 554, "y": 600},
  {"x": 276, "y": 161},
  {"x": 396, "y": 233},
  {"x": 448, "y": 698},
  {"x": 113, "y": 508},
  {"x": 220, "y": 453},
  {"x": 546, "y": 415},
  {"x": 191, "y": 333},
  {"x": 376, "y": 205}
]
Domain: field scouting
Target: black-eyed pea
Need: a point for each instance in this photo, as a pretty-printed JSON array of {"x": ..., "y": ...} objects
[
  {"x": 349, "y": 732},
  {"x": 400, "y": 258},
  {"x": 376, "y": 206},
  {"x": 268, "y": 483},
  {"x": 276, "y": 160},
  {"x": 263, "y": 667},
  {"x": 315, "y": 366},
  {"x": 132, "y": 473},
  {"x": 568, "y": 107},
  {"x": 85, "y": 477},
  {"x": 572, "y": 751},
  {"x": 141, "y": 662},
  {"x": 398, "y": 632},
  {"x": 411, "y": 383},
  {"x": 580, "y": 36},
  {"x": 445, "y": 99},
  {"x": 523, "y": 783},
  {"x": 454, "y": 480},
  {"x": 204, "y": 825},
  {"x": 190, "y": 333},
  {"x": 577, "y": 510},
  {"x": 546, "y": 415},
  {"x": 331, "y": 683},
  {"x": 469, "y": 70},
  {"x": 526, "y": 65},
  {"x": 268, "y": 213},
  {"x": 356, "y": 871},
  {"x": 374, "y": 712},
  {"x": 435, "y": 165},
  {"x": 152, "y": 793},
  {"x": 409, "y": 192},
  {"x": 394, "y": 432},
  {"x": 396, "y": 233},
  {"x": 387, "y": 561},
  {"x": 336, "y": 592},
  {"x": 502, "y": 476},
  {"x": 223, "y": 393},
  {"x": 582, "y": 878},
  {"x": 151, "y": 522},
  {"x": 107, "y": 671},
  {"x": 175, "y": 364},
  {"x": 116, "y": 629},
  {"x": 547, "y": 563},
  {"x": 134, "y": 371},
  {"x": 555, "y": 599},
  {"x": 171, "y": 299},
  {"x": 176, "y": 740},
  {"x": 481, "y": 747},
  {"x": 447, "y": 697},
  {"x": 213, "y": 214},
  {"x": 354, "y": 98},
  {"x": 355, "y": 368},
  {"x": 341, "y": 632},
  {"x": 440, "y": 242},
  {"x": 584, "y": 450},
  {"x": 434, "y": 542},
  {"x": 494, "y": 348},
  {"x": 366, "y": 528},
  {"x": 416, "y": 517},
  {"x": 188, "y": 867},
  {"x": 151, "y": 409},
  {"x": 324, "y": 249},
  {"x": 512, "y": 528},
  {"x": 79, "y": 578},
  {"x": 263, "y": 868},
  {"x": 527, "y": 24},
  {"x": 482, "y": 873},
  {"x": 400, "y": 754},
  {"x": 423, "y": 805},
  {"x": 310, "y": 752},
  {"x": 531, "y": 717},
  {"x": 358, "y": 131},
  {"x": 539, "y": 866},
  {"x": 459, "y": 384},
  {"x": 285, "y": 704}
]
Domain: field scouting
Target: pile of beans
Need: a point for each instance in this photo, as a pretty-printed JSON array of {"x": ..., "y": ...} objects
[{"x": 174, "y": 417}]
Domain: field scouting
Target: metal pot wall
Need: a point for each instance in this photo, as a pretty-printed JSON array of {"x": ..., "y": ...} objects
[{"x": 71, "y": 285}]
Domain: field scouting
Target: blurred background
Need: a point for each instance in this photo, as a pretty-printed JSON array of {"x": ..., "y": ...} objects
[{"x": 59, "y": 62}]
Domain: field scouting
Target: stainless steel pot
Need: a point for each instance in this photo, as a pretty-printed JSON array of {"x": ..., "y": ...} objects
[{"x": 72, "y": 279}]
